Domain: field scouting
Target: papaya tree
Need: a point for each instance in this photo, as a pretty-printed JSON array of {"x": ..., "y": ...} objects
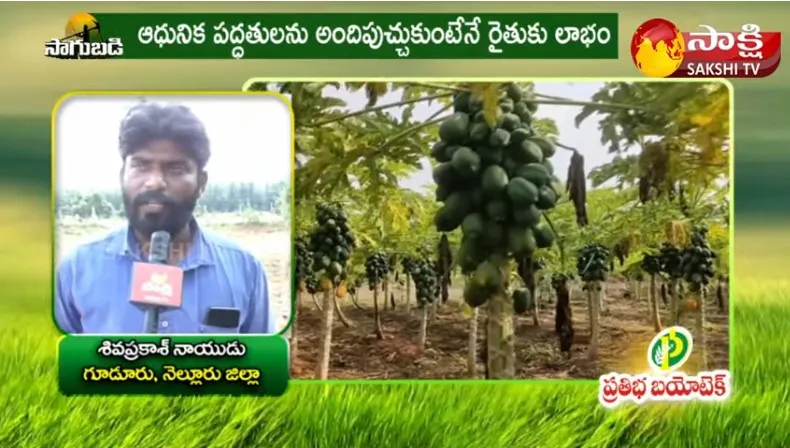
[
  {"x": 670, "y": 260},
  {"x": 486, "y": 142},
  {"x": 563, "y": 317},
  {"x": 407, "y": 267},
  {"x": 682, "y": 137},
  {"x": 635, "y": 275},
  {"x": 331, "y": 243},
  {"x": 676, "y": 151},
  {"x": 698, "y": 269},
  {"x": 390, "y": 219},
  {"x": 420, "y": 231},
  {"x": 302, "y": 271},
  {"x": 377, "y": 269},
  {"x": 592, "y": 266},
  {"x": 651, "y": 264},
  {"x": 482, "y": 147},
  {"x": 719, "y": 242}
]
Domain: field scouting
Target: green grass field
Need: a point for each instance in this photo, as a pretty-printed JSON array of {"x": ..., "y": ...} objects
[{"x": 429, "y": 414}]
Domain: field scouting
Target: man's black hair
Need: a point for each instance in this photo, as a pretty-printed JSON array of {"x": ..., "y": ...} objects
[{"x": 147, "y": 121}]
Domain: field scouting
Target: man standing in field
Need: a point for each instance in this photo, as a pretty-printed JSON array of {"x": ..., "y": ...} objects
[{"x": 165, "y": 150}]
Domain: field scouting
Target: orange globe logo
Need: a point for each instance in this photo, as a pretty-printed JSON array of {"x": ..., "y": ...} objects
[
  {"x": 657, "y": 48},
  {"x": 83, "y": 26}
]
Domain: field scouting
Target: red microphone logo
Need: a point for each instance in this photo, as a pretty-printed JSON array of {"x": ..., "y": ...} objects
[{"x": 157, "y": 284}]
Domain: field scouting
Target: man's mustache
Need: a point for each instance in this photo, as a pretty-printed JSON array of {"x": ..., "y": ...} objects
[{"x": 153, "y": 196}]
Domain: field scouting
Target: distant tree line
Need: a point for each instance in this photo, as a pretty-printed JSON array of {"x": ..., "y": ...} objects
[{"x": 218, "y": 198}]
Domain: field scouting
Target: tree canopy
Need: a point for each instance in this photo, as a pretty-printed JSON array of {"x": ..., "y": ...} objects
[{"x": 667, "y": 140}]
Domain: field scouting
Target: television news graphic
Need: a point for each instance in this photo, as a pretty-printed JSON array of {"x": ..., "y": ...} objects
[
  {"x": 83, "y": 40},
  {"x": 223, "y": 317},
  {"x": 338, "y": 36},
  {"x": 156, "y": 285},
  {"x": 660, "y": 49},
  {"x": 669, "y": 350}
]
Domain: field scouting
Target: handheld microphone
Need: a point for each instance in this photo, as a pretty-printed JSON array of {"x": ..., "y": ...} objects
[{"x": 155, "y": 284}]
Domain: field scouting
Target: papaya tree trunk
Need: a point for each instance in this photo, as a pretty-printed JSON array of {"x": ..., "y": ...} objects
[
  {"x": 593, "y": 302},
  {"x": 315, "y": 301},
  {"x": 501, "y": 349},
  {"x": 385, "y": 285},
  {"x": 563, "y": 320},
  {"x": 343, "y": 319},
  {"x": 675, "y": 301},
  {"x": 701, "y": 341},
  {"x": 471, "y": 347},
  {"x": 325, "y": 346},
  {"x": 655, "y": 317},
  {"x": 423, "y": 327},
  {"x": 299, "y": 296},
  {"x": 294, "y": 332},
  {"x": 355, "y": 301},
  {"x": 526, "y": 270},
  {"x": 408, "y": 289},
  {"x": 434, "y": 309},
  {"x": 722, "y": 295},
  {"x": 445, "y": 292},
  {"x": 376, "y": 314}
]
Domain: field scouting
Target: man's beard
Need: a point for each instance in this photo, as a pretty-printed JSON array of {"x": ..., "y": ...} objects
[{"x": 173, "y": 217}]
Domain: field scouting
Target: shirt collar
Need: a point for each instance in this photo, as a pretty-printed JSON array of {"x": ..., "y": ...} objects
[{"x": 124, "y": 244}]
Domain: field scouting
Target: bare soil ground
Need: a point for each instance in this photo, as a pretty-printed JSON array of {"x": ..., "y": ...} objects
[
  {"x": 270, "y": 242},
  {"x": 626, "y": 331}
]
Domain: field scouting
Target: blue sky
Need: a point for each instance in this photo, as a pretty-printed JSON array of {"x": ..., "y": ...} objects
[{"x": 586, "y": 138}]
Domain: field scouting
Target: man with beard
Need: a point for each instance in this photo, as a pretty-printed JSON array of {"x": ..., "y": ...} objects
[{"x": 164, "y": 149}]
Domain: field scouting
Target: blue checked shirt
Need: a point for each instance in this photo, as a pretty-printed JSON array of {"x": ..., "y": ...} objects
[{"x": 93, "y": 286}]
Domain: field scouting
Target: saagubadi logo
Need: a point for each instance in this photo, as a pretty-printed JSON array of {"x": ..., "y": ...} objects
[
  {"x": 83, "y": 39},
  {"x": 669, "y": 350},
  {"x": 660, "y": 49}
]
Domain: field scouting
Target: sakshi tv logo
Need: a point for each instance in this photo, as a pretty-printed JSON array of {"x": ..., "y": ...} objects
[
  {"x": 667, "y": 353},
  {"x": 660, "y": 49},
  {"x": 83, "y": 39}
]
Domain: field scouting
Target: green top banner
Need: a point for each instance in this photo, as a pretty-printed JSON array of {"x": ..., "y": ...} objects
[{"x": 341, "y": 36}]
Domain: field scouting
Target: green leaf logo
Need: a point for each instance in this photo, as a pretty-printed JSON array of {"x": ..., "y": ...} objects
[{"x": 670, "y": 349}]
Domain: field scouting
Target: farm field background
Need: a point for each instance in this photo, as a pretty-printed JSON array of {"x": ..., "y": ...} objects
[
  {"x": 421, "y": 267},
  {"x": 625, "y": 326}
]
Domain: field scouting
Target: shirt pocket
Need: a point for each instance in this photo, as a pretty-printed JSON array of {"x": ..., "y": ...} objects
[{"x": 210, "y": 329}]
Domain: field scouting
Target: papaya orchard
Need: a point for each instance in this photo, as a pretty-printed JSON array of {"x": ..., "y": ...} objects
[{"x": 443, "y": 221}]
